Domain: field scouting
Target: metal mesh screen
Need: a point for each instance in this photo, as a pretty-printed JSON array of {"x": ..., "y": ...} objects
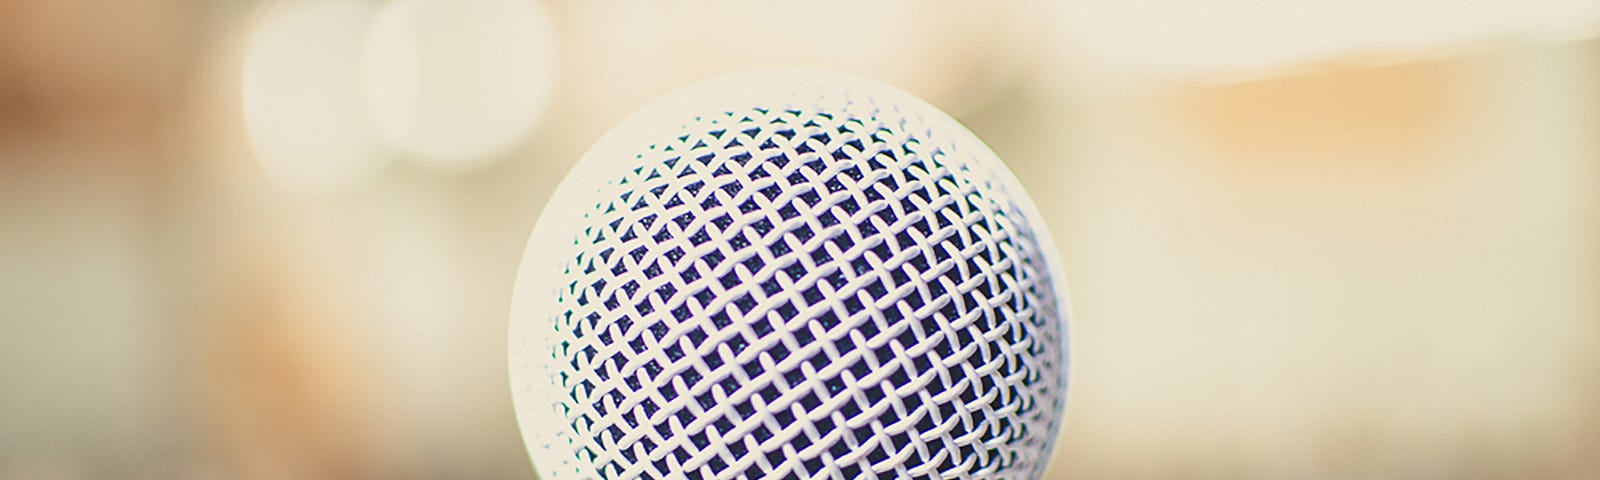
[{"x": 829, "y": 287}]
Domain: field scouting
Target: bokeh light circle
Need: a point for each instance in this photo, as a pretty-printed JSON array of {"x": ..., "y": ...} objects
[
  {"x": 301, "y": 91},
  {"x": 454, "y": 82}
]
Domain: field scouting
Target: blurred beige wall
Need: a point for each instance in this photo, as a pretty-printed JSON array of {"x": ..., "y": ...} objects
[{"x": 1382, "y": 271}]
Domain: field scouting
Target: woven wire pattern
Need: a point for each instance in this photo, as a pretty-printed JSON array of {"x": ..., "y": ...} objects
[{"x": 816, "y": 289}]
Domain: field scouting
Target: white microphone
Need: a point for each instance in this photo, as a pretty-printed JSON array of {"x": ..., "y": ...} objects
[{"x": 789, "y": 275}]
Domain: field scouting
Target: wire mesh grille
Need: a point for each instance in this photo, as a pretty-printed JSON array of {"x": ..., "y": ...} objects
[{"x": 828, "y": 288}]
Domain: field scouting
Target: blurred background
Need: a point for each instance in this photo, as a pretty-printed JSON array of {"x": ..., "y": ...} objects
[{"x": 1309, "y": 239}]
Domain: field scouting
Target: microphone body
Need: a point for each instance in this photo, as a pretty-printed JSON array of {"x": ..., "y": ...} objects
[{"x": 789, "y": 274}]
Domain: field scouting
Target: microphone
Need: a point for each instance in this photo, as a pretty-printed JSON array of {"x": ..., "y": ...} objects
[{"x": 789, "y": 275}]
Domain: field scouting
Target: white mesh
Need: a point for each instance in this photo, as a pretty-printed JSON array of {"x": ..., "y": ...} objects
[{"x": 826, "y": 283}]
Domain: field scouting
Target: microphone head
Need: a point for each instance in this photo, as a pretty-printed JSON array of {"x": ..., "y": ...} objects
[{"x": 789, "y": 274}]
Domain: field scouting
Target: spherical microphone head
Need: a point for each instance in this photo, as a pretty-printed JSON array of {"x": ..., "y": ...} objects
[{"x": 789, "y": 274}]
